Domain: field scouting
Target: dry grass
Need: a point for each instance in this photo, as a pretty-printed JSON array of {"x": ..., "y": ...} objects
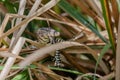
[{"x": 80, "y": 52}]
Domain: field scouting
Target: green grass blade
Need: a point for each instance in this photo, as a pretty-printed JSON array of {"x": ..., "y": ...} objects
[
  {"x": 104, "y": 50},
  {"x": 107, "y": 17},
  {"x": 65, "y": 70},
  {"x": 22, "y": 76},
  {"x": 78, "y": 16}
]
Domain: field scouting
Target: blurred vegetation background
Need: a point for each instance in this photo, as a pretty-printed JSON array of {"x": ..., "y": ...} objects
[{"x": 95, "y": 24}]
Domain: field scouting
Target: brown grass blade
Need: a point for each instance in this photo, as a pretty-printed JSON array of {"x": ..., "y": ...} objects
[
  {"x": 115, "y": 12},
  {"x": 109, "y": 76},
  {"x": 18, "y": 33},
  {"x": 4, "y": 23},
  {"x": 73, "y": 62},
  {"x": 27, "y": 20},
  {"x": 34, "y": 43},
  {"x": 11, "y": 60},
  {"x": 117, "y": 68},
  {"x": 75, "y": 26},
  {"x": 95, "y": 7},
  {"x": 89, "y": 74},
  {"x": 8, "y": 54},
  {"x": 20, "y": 12},
  {"x": 46, "y": 50},
  {"x": 46, "y": 70}
]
